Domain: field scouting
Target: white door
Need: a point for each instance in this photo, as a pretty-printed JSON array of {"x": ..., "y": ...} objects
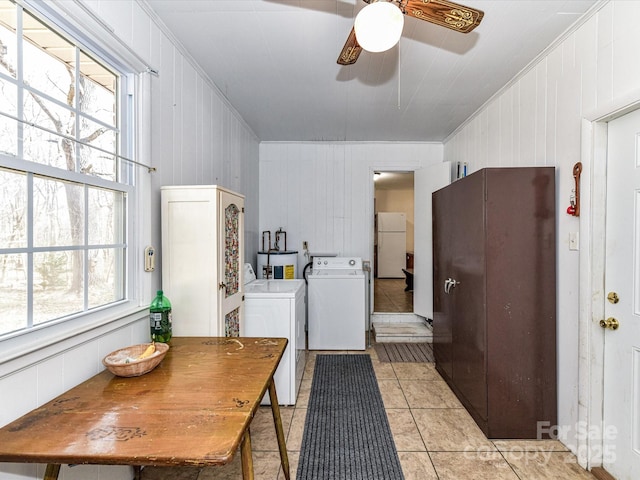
[
  {"x": 231, "y": 261},
  {"x": 621, "y": 454},
  {"x": 426, "y": 181}
]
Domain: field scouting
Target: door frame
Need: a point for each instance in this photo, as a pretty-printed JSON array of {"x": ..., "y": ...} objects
[
  {"x": 592, "y": 261},
  {"x": 407, "y": 167},
  {"x": 372, "y": 227}
]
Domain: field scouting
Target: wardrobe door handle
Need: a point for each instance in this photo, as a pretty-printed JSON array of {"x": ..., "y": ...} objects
[{"x": 449, "y": 283}]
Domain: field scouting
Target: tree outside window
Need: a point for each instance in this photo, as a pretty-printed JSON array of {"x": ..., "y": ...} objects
[{"x": 63, "y": 201}]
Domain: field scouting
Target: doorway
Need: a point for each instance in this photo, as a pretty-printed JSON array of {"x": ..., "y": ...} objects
[
  {"x": 393, "y": 265},
  {"x": 621, "y": 405},
  {"x": 611, "y": 137}
]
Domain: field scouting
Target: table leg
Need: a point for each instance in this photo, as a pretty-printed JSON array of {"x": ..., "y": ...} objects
[
  {"x": 277, "y": 420},
  {"x": 246, "y": 457},
  {"x": 52, "y": 471}
]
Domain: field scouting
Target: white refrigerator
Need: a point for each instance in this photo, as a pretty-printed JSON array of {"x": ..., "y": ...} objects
[{"x": 392, "y": 244}]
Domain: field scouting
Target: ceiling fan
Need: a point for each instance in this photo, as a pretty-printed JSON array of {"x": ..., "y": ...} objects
[{"x": 441, "y": 12}]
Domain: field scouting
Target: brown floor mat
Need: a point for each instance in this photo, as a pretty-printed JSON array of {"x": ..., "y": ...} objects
[{"x": 404, "y": 352}]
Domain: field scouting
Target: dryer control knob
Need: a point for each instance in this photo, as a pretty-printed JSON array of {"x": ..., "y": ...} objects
[{"x": 352, "y": 262}]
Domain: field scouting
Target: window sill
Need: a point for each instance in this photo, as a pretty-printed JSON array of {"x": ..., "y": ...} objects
[{"x": 33, "y": 346}]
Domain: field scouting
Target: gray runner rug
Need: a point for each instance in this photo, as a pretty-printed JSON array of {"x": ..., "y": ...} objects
[
  {"x": 346, "y": 432},
  {"x": 404, "y": 352}
]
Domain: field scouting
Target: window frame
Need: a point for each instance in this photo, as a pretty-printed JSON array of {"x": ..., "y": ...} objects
[{"x": 107, "y": 317}]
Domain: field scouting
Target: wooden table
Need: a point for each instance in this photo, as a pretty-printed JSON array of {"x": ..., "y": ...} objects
[{"x": 194, "y": 409}]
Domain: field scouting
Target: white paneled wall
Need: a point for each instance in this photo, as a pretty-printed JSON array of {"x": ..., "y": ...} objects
[
  {"x": 536, "y": 120},
  {"x": 323, "y": 192},
  {"x": 41, "y": 376},
  {"x": 196, "y": 138}
]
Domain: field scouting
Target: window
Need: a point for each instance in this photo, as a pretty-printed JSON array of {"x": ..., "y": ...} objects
[{"x": 64, "y": 189}]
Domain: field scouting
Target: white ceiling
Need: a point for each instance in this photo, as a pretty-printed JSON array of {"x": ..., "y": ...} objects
[{"x": 275, "y": 61}]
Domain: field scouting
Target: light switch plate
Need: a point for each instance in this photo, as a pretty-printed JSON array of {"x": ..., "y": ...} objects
[
  {"x": 574, "y": 241},
  {"x": 149, "y": 259}
]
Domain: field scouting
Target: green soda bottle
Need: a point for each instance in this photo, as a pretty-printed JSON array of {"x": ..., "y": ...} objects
[{"x": 160, "y": 318}]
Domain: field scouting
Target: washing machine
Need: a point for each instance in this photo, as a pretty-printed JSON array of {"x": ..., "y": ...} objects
[
  {"x": 337, "y": 304},
  {"x": 276, "y": 308}
]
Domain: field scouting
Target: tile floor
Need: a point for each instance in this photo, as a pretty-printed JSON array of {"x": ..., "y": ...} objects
[
  {"x": 435, "y": 437},
  {"x": 389, "y": 296}
]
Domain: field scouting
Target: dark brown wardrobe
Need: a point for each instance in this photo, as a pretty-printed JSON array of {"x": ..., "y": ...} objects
[{"x": 494, "y": 326}]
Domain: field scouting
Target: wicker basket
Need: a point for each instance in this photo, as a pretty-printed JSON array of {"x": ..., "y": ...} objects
[{"x": 125, "y": 363}]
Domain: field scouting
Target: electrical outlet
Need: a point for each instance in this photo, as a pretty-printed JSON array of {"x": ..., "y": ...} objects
[{"x": 305, "y": 245}]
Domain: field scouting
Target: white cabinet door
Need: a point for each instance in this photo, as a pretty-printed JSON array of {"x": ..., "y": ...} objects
[
  {"x": 189, "y": 259},
  {"x": 231, "y": 262}
]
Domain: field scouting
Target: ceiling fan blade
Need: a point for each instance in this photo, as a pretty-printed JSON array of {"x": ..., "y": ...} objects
[
  {"x": 442, "y": 12},
  {"x": 351, "y": 50}
]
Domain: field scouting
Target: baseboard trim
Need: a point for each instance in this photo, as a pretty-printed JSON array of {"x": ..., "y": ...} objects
[{"x": 601, "y": 474}]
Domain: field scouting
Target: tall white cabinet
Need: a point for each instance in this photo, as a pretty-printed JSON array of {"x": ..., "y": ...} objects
[{"x": 202, "y": 259}]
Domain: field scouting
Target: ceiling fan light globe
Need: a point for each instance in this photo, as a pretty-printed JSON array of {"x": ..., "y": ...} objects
[{"x": 378, "y": 26}]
